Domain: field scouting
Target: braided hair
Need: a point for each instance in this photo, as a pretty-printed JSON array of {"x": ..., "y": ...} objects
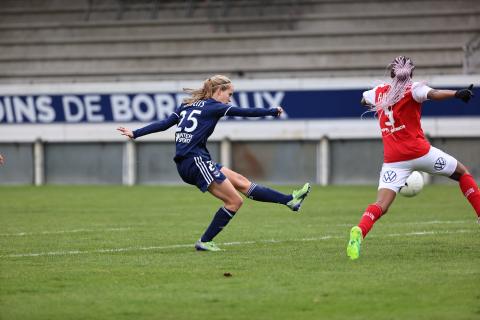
[{"x": 401, "y": 69}]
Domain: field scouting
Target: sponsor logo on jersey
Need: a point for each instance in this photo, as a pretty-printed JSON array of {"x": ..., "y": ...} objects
[
  {"x": 392, "y": 130},
  {"x": 183, "y": 137}
]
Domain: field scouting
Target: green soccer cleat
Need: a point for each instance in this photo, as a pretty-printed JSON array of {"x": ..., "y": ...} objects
[
  {"x": 298, "y": 197},
  {"x": 206, "y": 246},
  {"x": 353, "y": 247}
]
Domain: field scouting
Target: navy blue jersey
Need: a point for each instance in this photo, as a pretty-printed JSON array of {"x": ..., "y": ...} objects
[{"x": 196, "y": 122}]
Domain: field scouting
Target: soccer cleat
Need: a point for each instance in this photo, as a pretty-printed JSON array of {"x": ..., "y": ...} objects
[
  {"x": 206, "y": 246},
  {"x": 353, "y": 247},
  {"x": 298, "y": 197}
]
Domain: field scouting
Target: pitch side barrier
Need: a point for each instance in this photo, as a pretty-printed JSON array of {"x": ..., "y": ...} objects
[{"x": 316, "y": 110}]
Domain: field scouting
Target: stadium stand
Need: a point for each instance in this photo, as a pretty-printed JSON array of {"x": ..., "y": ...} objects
[{"x": 119, "y": 40}]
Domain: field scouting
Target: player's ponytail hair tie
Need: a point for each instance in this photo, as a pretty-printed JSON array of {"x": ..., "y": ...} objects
[
  {"x": 210, "y": 86},
  {"x": 401, "y": 70}
]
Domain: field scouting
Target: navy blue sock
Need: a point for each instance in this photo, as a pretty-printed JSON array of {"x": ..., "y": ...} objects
[
  {"x": 264, "y": 194},
  {"x": 219, "y": 221}
]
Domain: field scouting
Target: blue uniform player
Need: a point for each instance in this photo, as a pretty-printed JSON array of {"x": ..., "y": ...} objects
[{"x": 196, "y": 119}]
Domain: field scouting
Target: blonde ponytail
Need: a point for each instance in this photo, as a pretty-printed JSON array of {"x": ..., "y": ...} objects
[{"x": 210, "y": 86}]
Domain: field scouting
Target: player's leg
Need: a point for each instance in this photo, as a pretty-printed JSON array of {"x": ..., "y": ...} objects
[
  {"x": 460, "y": 170},
  {"x": 207, "y": 177},
  {"x": 441, "y": 163},
  {"x": 468, "y": 186},
  {"x": 373, "y": 212},
  {"x": 255, "y": 191},
  {"x": 261, "y": 193},
  {"x": 232, "y": 203},
  {"x": 392, "y": 178}
]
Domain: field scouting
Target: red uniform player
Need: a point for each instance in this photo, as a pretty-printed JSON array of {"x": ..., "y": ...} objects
[{"x": 398, "y": 106}]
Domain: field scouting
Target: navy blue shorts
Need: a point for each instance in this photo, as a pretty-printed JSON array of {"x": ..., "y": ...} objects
[{"x": 199, "y": 172}]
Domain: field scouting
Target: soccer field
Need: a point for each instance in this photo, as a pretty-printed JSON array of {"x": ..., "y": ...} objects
[{"x": 70, "y": 252}]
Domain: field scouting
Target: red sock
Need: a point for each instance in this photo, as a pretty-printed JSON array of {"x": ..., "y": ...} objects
[
  {"x": 470, "y": 191},
  {"x": 371, "y": 214}
]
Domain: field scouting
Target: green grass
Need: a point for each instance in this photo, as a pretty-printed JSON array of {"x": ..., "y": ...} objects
[{"x": 421, "y": 261}]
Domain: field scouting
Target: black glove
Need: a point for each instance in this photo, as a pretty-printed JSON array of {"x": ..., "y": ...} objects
[{"x": 465, "y": 94}]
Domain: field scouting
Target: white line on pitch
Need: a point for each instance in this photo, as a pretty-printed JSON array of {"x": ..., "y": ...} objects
[
  {"x": 418, "y": 223},
  {"x": 423, "y": 233},
  {"x": 20, "y": 234},
  {"x": 176, "y": 246}
]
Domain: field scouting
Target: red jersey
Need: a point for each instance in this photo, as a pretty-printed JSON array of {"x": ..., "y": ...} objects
[{"x": 402, "y": 133}]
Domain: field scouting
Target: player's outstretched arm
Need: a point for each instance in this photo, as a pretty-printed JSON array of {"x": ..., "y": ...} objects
[
  {"x": 151, "y": 128},
  {"x": 463, "y": 94},
  {"x": 2, "y": 160},
  {"x": 364, "y": 103},
  {"x": 253, "y": 112},
  {"x": 125, "y": 132}
]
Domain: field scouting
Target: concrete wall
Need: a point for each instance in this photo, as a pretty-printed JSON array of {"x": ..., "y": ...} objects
[
  {"x": 83, "y": 163},
  {"x": 282, "y": 162},
  {"x": 19, "y": 165}
]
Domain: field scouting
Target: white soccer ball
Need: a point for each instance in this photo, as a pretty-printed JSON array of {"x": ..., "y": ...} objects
[{"x": 413, "y": 185}]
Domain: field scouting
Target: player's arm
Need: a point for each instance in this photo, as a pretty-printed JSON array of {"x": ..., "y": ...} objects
[
  {"x": 364, "y": 102},
  {"x": 368, "y": 98},
  {"x": 463, "y": 94},
  {"x": 2, "y": 160},
  {"x": 437, "y": 94},
  {"x": 252, "y": 112},
  {"x": 151, "y": 128}
]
